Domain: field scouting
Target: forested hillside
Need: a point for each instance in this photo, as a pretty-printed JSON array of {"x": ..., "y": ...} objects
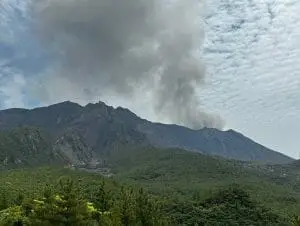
[
  {"x": 72, "y": 165},
  {"x": 48, "y": 196}
]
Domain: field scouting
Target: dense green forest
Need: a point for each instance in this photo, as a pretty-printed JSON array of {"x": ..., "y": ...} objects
[
  {"x": 186, "y": 175},
  {"x": 140, "y": 186},
  {"x": 52, "y": 196}
]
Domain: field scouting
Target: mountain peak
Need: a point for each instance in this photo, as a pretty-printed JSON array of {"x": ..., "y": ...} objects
[
  {"x": 97, "y": 104},
  {"x": 97, "y": 127},
  {"x": 64, "y": 103}
]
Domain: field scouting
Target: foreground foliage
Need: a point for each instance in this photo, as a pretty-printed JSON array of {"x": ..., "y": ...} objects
[
  {"x": 67, "y": 206},
  {"x": 36, "y": 198}
]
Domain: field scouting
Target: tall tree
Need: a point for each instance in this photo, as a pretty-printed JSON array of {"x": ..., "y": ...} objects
[{"x": 67, "y": 208}]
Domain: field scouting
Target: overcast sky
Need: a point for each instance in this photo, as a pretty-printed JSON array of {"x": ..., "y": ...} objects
[{"x": 251, "y": 53}]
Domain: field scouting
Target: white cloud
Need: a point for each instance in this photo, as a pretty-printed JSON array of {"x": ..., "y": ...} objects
[
  {"x": 12, "y": 88},
  {"x": 254, "y": 74},
  {"x": 10, "y": 11}
]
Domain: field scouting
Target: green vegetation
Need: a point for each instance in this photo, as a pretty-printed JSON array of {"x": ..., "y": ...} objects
[
  {"x": 24, "y": 146},
  {"x": 93, "y": 202},
  {"x": 147, "y": 186},
  {"x": 188, "y": 176},
  {"x": 47, "y": 196}
]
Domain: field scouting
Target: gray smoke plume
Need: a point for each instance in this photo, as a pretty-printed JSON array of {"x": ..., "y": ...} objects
[{"x": 121, "y": 46}]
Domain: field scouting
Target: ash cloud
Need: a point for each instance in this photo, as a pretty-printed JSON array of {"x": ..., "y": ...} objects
[{"x": 122, "y": 46}]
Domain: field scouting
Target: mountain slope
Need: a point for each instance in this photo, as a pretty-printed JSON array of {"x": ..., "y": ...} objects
[
  {"x": 25, "y": 146},
  {"x": 88, "y": 134},
  {"x": 175, "y": 172},
  {"x": 228, "y": 144}
]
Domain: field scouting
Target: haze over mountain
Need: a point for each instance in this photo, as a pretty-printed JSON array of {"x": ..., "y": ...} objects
[{"x": 79, "y": 135}]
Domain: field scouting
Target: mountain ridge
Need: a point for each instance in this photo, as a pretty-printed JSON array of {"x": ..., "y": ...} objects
[{"x": 88, "y": 133}]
